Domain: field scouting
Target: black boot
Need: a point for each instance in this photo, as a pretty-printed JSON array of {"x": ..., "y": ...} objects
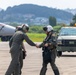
[
  {"x": 43, "y": 71},
  {"x": 56, "y": 72}
]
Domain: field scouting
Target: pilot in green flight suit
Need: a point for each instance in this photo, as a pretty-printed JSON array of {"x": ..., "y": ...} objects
[{"x": 17, "y": 40}]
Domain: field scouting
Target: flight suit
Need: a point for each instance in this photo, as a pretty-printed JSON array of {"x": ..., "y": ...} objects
[
  {"x": 21, "y": 57},
  {"x": 20, "y": 61},
  {"x": 49, "y": 54},
  {"x": 15, "y": 51}
]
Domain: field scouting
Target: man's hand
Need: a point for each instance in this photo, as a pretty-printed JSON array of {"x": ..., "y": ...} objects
[
  {"x": 46, "y": 45},
  {"x": 37, "y": 46},
  {"x": 24, "y": 54}
]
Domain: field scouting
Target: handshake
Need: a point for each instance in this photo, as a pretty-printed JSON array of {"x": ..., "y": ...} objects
[
  {"x": 37, "y": 46},
  {"x": 46, "y": 45}
]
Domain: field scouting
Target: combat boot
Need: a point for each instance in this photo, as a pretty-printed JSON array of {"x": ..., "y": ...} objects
[{"x": 56, "y": 72}]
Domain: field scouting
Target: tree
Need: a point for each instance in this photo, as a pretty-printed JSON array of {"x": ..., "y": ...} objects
[
  {"x": 52, "y": 21},
  {"x": 74, "y": 18},
  {"x": 73, "y": 21}
]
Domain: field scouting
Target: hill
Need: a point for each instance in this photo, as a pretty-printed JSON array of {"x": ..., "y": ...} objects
[
  {"x": 73, "y": 11},
  {"x": 30, "y": 13}
]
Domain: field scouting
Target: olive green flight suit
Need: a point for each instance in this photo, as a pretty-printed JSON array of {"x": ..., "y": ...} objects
[{"x": 15, "y": 51}]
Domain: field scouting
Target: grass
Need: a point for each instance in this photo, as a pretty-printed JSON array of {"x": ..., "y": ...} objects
[{"x": 36, "y": 37}]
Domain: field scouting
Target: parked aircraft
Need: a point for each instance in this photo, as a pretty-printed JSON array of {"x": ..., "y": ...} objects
[{"x": 6, "y": 31}]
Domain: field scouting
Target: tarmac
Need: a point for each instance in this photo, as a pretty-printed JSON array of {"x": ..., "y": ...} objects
[{"x": 33, "y": 62}]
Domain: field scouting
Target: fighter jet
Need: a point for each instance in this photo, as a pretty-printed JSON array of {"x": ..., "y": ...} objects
[{"x": 6, "y": 31}]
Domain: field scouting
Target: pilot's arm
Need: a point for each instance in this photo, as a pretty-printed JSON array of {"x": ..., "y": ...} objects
[{"x": 28, "y": 40}]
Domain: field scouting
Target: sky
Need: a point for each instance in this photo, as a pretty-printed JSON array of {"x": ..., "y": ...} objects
[{"x": 59, "y": 4}]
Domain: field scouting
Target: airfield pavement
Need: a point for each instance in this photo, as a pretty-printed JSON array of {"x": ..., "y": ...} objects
[{"x": 33, "y": 61}]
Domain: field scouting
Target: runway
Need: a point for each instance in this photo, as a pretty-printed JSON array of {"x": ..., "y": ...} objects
[{"x": 33, "y": 61}]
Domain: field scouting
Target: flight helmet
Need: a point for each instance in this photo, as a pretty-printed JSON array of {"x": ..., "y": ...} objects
[{"x": 48, "y": 28}]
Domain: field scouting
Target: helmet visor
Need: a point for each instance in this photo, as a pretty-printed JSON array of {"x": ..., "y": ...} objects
[
  {"x": 45, "y": 28},
  {"x": 27, "y": 28}
]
